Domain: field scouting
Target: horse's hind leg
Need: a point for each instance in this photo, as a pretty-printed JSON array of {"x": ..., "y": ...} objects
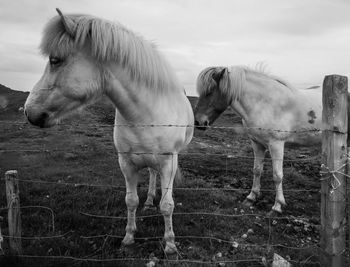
[
  {"x": 149, "y": 205},
  {"x": 167, "y": 172},
  {"x": 131, "y": 176},
  {"x": 276, "y": 150},
  {"x": 259, "y": 156}
]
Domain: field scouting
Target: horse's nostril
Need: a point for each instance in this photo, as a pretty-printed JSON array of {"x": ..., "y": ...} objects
[
  {"x": 201, "y": 125},
  {"x": 43, "y": 117},
  {"x": 39, "y": 119},
  {"x": 25, "y": 113}
]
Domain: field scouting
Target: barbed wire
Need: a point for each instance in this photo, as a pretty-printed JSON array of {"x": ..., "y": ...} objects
[
  {"x": 232, "y": 240},
  {"x": 165, "y": 153},
  {"x": 236, "y": 126},
  {"x": 146, "y": 188},
  {"x": 219, "y": 240},
  {"x": 331, "y": 175},
  {"x": 224, "y": 215},
  {"x": 157, "y": 238},
  {"x": 214, "y": 261},
  {"x": 181, "y": 261},
  {"x": 38, "y": 237},
  {"x": 137, "y": 259},
  {"x": 34, "y": 207}
]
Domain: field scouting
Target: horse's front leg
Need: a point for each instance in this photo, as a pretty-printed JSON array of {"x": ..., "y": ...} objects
[
  {"x": 149, "y": 205},
  {"x": 276, "y": 150},
  {"x": 259, "y": 156},
  {"x": 131, "y": 176},
  {"x": 167, "y": 172}
]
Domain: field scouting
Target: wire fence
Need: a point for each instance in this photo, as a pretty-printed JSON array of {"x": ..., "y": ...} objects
[
  {"x": 236, "y": 241},
  {"x": 313, "y": 130}
]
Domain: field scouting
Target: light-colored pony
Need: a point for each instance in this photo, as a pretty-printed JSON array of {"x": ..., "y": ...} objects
[
  {"x": 89, "y": 57},
  {"x": 272, "y": 113}
]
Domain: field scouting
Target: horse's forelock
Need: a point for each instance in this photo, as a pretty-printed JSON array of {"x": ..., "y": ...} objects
[
  {"x": 225, "y": 79},
  {"x": 206, "y": 81},
  {"x": 56, "y": 40}
]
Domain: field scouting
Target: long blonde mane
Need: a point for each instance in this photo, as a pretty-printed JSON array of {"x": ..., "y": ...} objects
[
  {"x": 111, "y": 42},
  {"x": 232, "y": 81}
]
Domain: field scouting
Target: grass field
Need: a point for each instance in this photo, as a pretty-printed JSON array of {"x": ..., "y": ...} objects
[{"x": 70, "y": 174}]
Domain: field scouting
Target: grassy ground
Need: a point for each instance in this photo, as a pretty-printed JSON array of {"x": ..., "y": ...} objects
[{"x": 210, "y": 223}]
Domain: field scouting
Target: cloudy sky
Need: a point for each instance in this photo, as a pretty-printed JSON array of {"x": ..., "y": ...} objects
[{"x": 298, "y": 40}]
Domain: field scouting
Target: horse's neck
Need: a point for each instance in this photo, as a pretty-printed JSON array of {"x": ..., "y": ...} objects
[
  {"x": 253, "y": 95},
  {"x": 262, "y": 95},
  {"x": 242, "y": 105},
  {"x": 240, "y": 110},
  {"x": 135, "y": 103},
  {"x": 129, "y": 103}
]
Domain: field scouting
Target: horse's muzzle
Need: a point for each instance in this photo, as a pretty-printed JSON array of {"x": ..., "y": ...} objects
[
  {"x": 200, "y": 126},
  {"x": 40, "y": 120}
]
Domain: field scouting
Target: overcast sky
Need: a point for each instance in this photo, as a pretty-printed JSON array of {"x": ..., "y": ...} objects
[{"x": 298, "y": 40}]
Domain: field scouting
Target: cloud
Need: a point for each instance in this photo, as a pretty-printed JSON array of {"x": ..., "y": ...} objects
[
  {"x": 299, "y": 40},
  {"x": 309, "y": 18},
  {"x": 27, "y": 14}
]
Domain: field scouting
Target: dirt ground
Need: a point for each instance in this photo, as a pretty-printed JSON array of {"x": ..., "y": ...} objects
[{"x": 69, "y": 176}]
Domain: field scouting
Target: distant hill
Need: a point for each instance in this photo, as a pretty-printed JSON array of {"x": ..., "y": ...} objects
[
  {"x": 10, "y": 102},
  {"x": 104, "y": 109}
]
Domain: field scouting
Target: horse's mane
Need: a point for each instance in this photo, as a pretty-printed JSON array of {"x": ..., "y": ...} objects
[
  {"x": 232, "y": 80},
  {"x": 110, "y": 42},
  {"x": 230, "y": 85}
]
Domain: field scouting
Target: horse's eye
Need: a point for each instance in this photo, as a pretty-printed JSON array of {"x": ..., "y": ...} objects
[{"x": 54, "y": 61}]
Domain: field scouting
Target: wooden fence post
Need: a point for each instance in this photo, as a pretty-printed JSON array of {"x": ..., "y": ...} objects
[
  {"x": 14, "y": 212},
  {"x": 334, "y": 161},
  {"x": 348, "y": 190},
  {"x": 1, "y": 238}
]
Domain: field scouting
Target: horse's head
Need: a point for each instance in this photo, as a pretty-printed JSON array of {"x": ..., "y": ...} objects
[
  {"x": 71, "y": 78},
  {"x": 212, "y": 101}
]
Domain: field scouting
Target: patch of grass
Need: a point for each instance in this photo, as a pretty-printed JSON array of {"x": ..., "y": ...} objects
[{"x": 85, "y": 153}]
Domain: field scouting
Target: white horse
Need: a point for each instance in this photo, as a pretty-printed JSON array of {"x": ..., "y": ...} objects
[
  {"x": 272, "y": 113},
  {"x": 89, "y": 57}
]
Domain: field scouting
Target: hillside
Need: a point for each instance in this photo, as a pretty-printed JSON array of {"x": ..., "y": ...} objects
[{"x": 10, "y": 102}]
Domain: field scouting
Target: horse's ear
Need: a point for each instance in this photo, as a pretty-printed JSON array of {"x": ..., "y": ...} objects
[
  {"x": 68, "y": 23},
  {"x": 218, "y": 75}
]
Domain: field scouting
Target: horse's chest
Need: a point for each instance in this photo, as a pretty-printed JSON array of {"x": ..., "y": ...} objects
[{"x": 156, "y": 139}]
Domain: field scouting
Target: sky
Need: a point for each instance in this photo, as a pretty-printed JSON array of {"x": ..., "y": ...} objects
[{"x": 300, "y": 41}]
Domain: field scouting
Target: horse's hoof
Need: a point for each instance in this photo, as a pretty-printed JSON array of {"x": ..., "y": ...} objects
[
  {"x": 173, "y": 257},
  {"x": 274, "y": 213},
  {"x": 128, "y": 241},
  {"x": 149, "y": 208},
  {"x": 170, "y": 249},
  {"x": 248, "y": 203}
]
